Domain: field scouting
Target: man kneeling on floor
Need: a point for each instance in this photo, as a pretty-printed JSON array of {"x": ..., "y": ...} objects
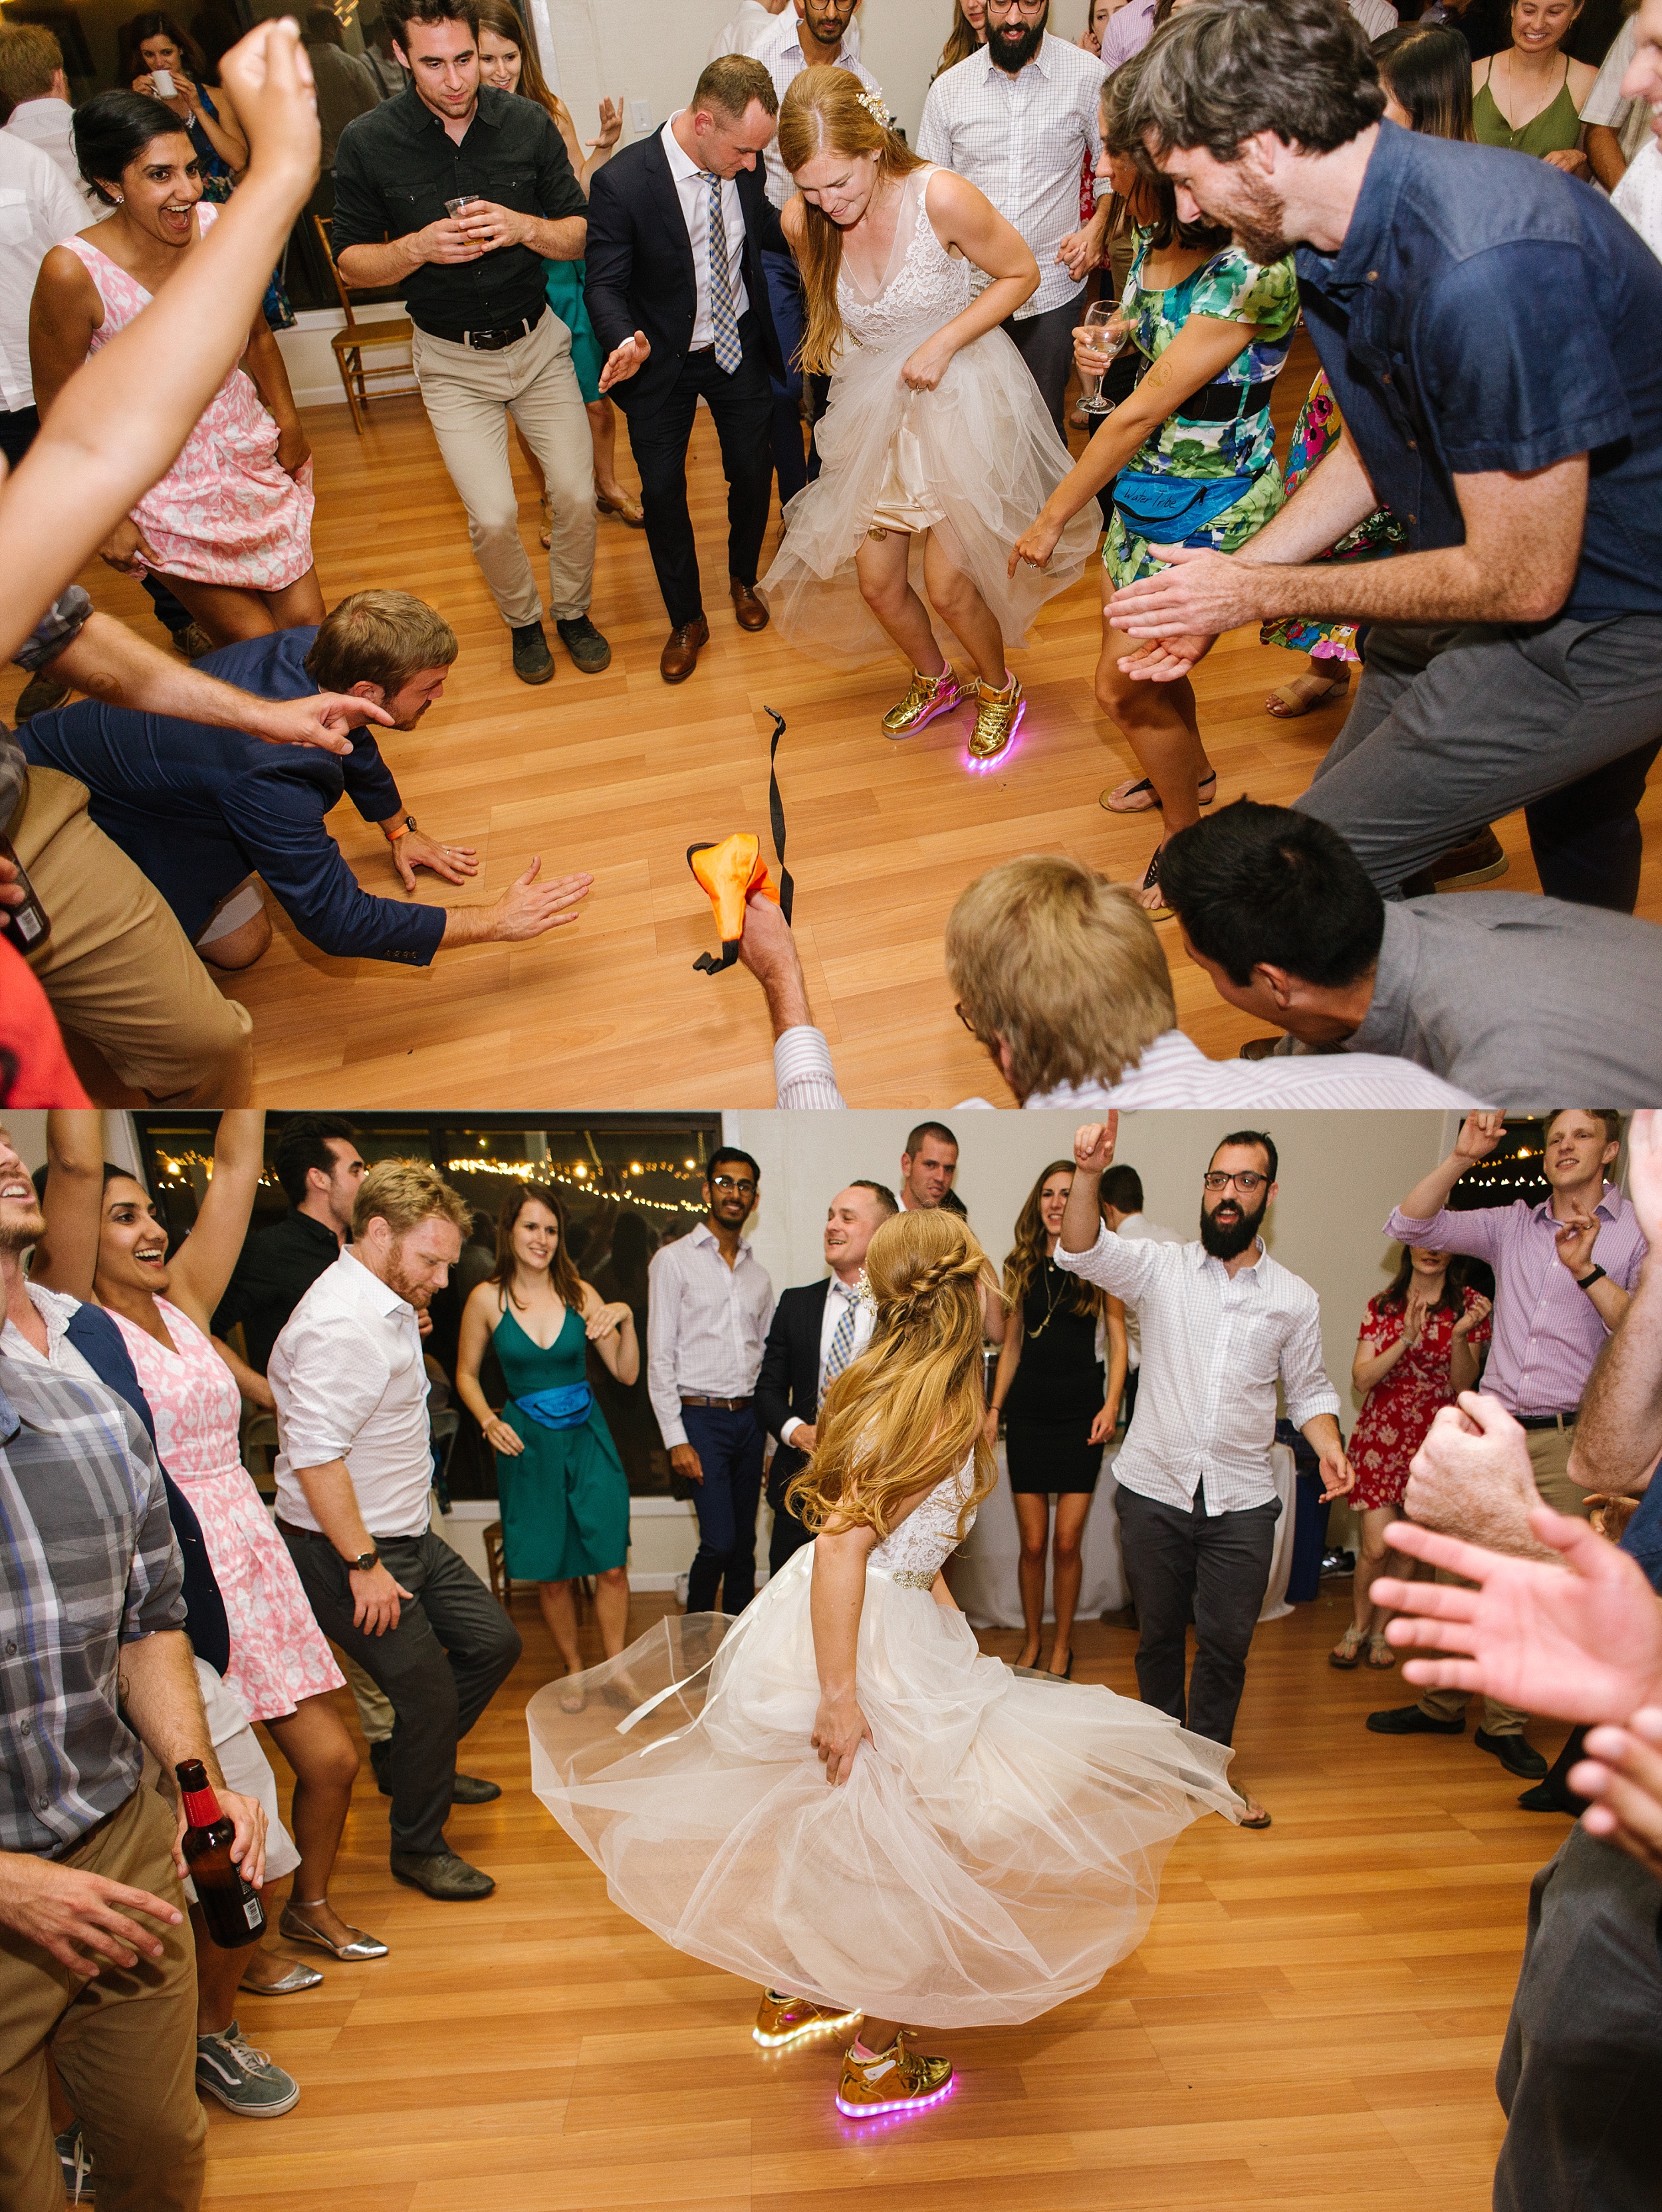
[{"x": 207, "y": 813}]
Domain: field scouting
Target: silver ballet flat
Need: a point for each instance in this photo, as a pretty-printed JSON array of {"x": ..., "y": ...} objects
[
  {"x": 299, "y": 1977},
  {"x": 293, "y": 1929}
]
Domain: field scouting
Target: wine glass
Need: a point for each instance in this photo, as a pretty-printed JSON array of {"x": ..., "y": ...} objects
[{"x": 1103, "y": 318}]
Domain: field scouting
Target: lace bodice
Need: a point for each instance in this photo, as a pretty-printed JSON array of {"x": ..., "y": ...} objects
[
  {"x": 924, "y": 288},
  {"x": 916, "y": 1552}
]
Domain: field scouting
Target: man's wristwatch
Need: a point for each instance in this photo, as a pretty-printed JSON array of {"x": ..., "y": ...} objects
[
  {"x": 1587, "y": 1281},
  {"x": 363, "y": 1562},
  {"x": 403, "y": 829}
]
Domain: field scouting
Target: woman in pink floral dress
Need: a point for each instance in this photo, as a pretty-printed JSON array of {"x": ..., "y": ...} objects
[
  {"x": 281, "y": 1669},
  {"x": 1417, "y": 1352},
  {"x": 228, "y": 529}
]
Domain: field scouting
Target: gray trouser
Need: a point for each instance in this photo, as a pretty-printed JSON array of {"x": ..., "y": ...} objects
[
  {"x": 469, "y": 397},
  {"x": 1580, "y": 2072},
  {"x": 452, "y": 1649},
  {"x": 1454, "y": 726},
  {"x": 1214, "y": 1567}
]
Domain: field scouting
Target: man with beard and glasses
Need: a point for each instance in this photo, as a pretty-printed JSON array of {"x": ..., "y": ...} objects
[
  {"x": 348, "y": 1377},
  {"x": 1221, "y": 1322},
  {"x": 1514, "y": 652},
  {"x": 1020, "y": 117}
]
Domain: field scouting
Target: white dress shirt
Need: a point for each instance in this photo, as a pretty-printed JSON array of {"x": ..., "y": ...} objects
[
  {"x": 1172, "y": 1071},
  {"x": 1639, "y": 195},
  {"x": 1630, "y": 119},
  {"x": 350, "y": 1382},
  {"x": 38, "y": 210},
  {"x": 48, "y": 123},
  {"x": 707, "y": 1326},
  {"x": 744, "y": 32},
  {"x": 57, "y": 1309},
  {"x": 839, "y": 1296},
  {"x": 693, "y": 188},
  {"x": 1213, "y": 1348},
  {"x": 779, "y": 50},
  {"x": 1023, "y": 140},
  {"x": 1138, "y": 1229}
]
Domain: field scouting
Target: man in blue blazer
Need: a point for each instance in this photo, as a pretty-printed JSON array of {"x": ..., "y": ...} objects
[{"x": 679, "y": 300}]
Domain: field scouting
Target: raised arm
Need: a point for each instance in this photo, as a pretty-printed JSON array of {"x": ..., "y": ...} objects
[
  {"x": 73, "y": 1204},
  {"x": 1618, "y": 1438},
  {"x": 205, "y": 1261},
  {"x": 118, "y": 424},
  {"x": 1480, "y": 1134}
]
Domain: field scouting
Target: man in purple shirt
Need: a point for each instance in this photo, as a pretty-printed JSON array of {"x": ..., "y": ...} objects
[{"x": 1564, "y": 1272}]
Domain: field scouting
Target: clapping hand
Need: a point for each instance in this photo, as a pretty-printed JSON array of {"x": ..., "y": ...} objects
[
  {"x": 612, "y": 126},
  {"x": 1477, "y": 1313}
]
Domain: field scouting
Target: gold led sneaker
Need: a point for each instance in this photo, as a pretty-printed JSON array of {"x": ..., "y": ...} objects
[
  {"x": 998, "y": 717},
  {"x": 929, "y": 696},
  {"x": 897, "y": 2080},
  {"x": 780, "y": 2020}
]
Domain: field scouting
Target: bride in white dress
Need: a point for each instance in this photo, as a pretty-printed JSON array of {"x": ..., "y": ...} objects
[
  {"x": 935, "y": 440},
  {"x": 990, "y": 1845}
]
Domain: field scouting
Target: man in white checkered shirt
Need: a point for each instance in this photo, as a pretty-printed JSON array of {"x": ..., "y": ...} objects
[
  {"x": 1018, "y": 118},
  {"x": 1221, "y": 1323}
]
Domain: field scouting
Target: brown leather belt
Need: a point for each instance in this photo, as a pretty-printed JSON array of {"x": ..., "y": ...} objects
[
  {"x": 721, "y": 1405},
  {"x": 1548, "y": 1420}
]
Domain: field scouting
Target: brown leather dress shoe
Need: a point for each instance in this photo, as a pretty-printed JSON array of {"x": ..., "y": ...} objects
[
  {"x": 752, "y": 614},
  {"x": 680, "y": 654}
]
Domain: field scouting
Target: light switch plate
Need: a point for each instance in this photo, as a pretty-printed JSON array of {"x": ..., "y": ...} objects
[{"x": 639, "y": 115}]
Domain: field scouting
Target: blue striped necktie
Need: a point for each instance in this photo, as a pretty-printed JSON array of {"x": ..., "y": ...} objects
[
  {"x": 841, "y": 1349},
  {"x": 729, "y": 347}
]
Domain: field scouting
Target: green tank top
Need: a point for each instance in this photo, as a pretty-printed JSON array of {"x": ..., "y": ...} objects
[{"x": 1554, "y": 131}]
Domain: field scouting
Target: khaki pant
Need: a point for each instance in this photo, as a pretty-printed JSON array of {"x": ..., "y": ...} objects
[
  {"x": 469, "y": 397},
  {"x": 124, "y": 2044},
  {"x": 1549, "y": 1459},
  {"x": 117, "y": 968}
]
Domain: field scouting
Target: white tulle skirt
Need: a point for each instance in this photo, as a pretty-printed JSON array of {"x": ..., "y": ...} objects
[
  {"x": 973, "y": 460},
  {"x": 996, "y": 1850}
]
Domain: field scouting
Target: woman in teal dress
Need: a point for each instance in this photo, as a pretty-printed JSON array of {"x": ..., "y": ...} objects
[
  {"x": 1191, "y": 452},
  {"x": 561, "y": 1484},
  {"x": 508, "y": 61}
]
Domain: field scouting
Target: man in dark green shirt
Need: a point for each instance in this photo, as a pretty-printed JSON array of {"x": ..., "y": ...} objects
[{"x": 456, "y": 194}]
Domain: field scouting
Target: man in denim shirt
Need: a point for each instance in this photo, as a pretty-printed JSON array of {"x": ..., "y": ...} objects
[{"x": 1493, "y": 335}]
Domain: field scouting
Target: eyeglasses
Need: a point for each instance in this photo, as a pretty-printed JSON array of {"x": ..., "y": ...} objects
[
  {"x": 726, "y": 1186},
  {"x": 967, "y": 1023},
  {"x": 1245, "y": 1183},
  {"x": 1017, "y": 7}
]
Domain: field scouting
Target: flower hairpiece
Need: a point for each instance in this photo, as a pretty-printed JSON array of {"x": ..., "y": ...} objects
[
  {"x": 873, "y": 105},
  {"x": 864, "y": 1293}
]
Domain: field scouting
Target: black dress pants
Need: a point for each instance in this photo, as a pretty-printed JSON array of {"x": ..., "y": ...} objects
[
  {"x": 1214, "y": 1567},
  {"x": 742, "y": 407},
  {"x": 451, "y": 1651}
]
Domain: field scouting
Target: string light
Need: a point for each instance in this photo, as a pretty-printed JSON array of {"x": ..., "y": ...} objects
[{"x": 585, "y": 1180}]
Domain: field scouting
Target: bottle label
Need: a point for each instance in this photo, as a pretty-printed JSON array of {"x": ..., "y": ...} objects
[
  {"x": 252, "y": 1912},
  {"x": 27, "y": 928}
]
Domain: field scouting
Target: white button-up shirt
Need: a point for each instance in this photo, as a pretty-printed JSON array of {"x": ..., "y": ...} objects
[
  {"x": 1138, "y": 1229},
  {"x": 1023, "y": 141},
  {"x": 57, "y": 1309},
  {"x": 1214, "y": 1346},
  {"x": 692, "y": 189},
  {"x": 350, "y": 1382},
  {"x": 38, "y": 210},
  {"x": 707, "y": 1326},
  {"x": 838, "y": 1296},
  {"x": 49, "y": 124},
  {"x": 779, "y": 50}
]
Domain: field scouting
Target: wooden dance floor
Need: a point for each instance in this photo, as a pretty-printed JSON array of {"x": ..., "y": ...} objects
[
  {"x": 618, "y": 773},
  {"x": 1313, "y": 2023}
]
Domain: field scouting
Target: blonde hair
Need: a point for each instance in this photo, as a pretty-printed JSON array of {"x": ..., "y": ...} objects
[
  {"x": 1064, "y": 968},
  {"x": 377, "y": 637},
  {"x": 822, "y": 114},
  {"x": 911, "y": 1410},
  {"x": 404, "y": 1194},
  {"x": 30, "y": 58}
]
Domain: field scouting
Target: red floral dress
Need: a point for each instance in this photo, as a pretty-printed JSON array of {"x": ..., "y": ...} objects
[{"x": 1398, "y": 1410}]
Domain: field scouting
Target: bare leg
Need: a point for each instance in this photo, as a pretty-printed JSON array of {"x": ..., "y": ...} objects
[
  {"x": 1159, "y": 722},
  {"x": 612, "y": 1609},
  {"x": 298, "y": 606},
  {"x": 230, "y": 615},
  {"x": 559, "y": 1609},
  {"x": 315, "y": 1741},
  {"x": 966, "y": 614},
  {"x": 217, "y": 1973},
  {"x": 1371, "y": 1561},
  {"x": 239, "y": 947},
  {"x": 880, "y": 566},
  {"x": 1033, "y": 1520},
  {"x": 878, "y": 2034},
  {"x": 1069, "y": 1569},
  {"x": 603, "y": 430}
]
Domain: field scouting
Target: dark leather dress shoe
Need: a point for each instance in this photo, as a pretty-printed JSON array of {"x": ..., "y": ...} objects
[
  {"x": 680, "y": 654},
  {"x": 442, "y": 1875},
  {"x": 1408, "y": 1720},
  {"x": 474, "y": 1790},
  {"x": 752, "y": 614},
  {"x": 1517, "y": 1756}
]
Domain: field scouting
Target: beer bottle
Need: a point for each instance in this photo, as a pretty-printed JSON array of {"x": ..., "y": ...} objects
[
  {"x": 27, "y": 926},
  {"x": 230, "y": 1905}
]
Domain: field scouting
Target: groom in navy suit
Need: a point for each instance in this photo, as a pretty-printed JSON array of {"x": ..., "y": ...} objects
[
  {"x": 817, "y": 1330},
  {"x": 679, "y": 300}
]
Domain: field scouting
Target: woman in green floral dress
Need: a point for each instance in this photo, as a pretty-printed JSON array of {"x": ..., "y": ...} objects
[{"x": 1192, "y": 452}]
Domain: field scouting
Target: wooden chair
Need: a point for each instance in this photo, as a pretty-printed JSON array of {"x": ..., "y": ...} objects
[{"x": 358, "y": 339}]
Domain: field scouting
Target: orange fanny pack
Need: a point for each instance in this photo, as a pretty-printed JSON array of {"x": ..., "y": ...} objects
[{"x": 733, "y": 872}]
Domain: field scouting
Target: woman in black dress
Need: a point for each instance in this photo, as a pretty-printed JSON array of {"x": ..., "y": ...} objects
[{"x": 1058, "y": 1413}]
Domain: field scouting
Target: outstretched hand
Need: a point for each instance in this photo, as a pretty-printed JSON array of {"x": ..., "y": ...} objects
[
  {"x": 1584, "y": 1644},
  {"x": 1198, "y": 594},
  {"x": 624, "y": 361}
]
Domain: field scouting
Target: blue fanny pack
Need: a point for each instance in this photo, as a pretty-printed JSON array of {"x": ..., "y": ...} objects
[
  {"x": 565, "y": 1408},
  {"x": 1174, "y": 510}
]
